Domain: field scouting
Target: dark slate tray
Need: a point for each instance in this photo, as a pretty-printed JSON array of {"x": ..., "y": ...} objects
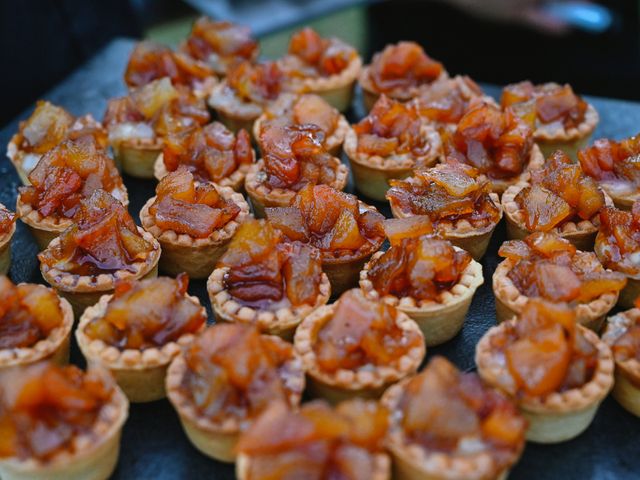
[{"x": 153, "y": 444}]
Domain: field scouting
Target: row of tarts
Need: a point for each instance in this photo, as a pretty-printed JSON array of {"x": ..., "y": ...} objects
[{"x": 237, "y": 386}]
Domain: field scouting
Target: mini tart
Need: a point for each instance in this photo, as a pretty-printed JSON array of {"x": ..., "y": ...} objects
[
  {"x": 439, "y": 321},
  {"x": 137, "y": 156},
  {"x": 367, "y": 381},
  {"x": 83, "y": 291},
  {"x": 553, "y": 136},
  {"x": 5, "y": 248},
  {"x": 371, "y": 173},
  {"x": 97, "y": 455},
  {"x": 631, "y": 291},
  {"x": 559, "y": 416},
  {"x": 262, "y": 196},
  {"x": 195, "y": 256},
  {"x": 140, "y": 374},
  {"x": 281, "y": 322},
  {"x": 370, "y": 96},
  {"x": 626, "y": 389},
  {"x": 234, "y": 113},
  {"x": 217, "y": 440}
]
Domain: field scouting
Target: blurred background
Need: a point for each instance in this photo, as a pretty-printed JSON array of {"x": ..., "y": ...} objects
[{"x": 595, "y": 46}]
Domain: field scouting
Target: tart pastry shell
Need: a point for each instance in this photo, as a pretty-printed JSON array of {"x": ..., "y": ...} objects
[
  {"x": 137, "y": 156},
  {"x": 5, "y": 249},
  {"x": 631, "y": 291},
  {"x": 16, "y": 156},
  {"x": 568, "y": 140}
]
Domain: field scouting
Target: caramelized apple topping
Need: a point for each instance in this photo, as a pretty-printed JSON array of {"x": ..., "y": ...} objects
[
  {"x": 45, "y": 408},
  {"x": 220, "y": 43},
  {"x": 316, "y": 441},
  {"x": 211, "y": 153},
  {"x": 391, "y": 128},
  {"x": 266, "y": 272},
  {"x": 446, "y": 193},
  {"x": 50, "y": 125},
  {"x": 550, "y": 101},
  {"x": 147, "y": 314},
  {"x": 103, "y": 239},
  {"x": 330, "y": 220},
  {"x": 559, "y": 192},
  {"x": 7, "y": 219},
  {"x": 294, "y": 155},
  {"x": 402, "y": 66},
  {"x": 611, "y": 161},
  {"x": 191, "y": 208},
  {"x": 234, "y": 372},
  {"x": 420, "y": 267},
  {"x": 256, "y": 83},
  {"x": 446, "y": 101},
  {"x": 549, "y": 266},
  {"x": 444, "y": 410},
  {"x": 306, "y": 109},
  {"x": 545, "y": 352},
  {"x": 310, "y": 55},
  {"x": 496, "y": 143},
  {"x": 151, "y": 61},
  {"x": 68, "y": 173},
  {"x": 619, "y": 239},
  {"x": 28, "y": 314},
  {"x": 627, "y": 345},
  {"x": 362, "y": 333}
]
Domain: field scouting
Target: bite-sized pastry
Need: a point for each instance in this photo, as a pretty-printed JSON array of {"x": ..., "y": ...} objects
[
  {"x": 264, "y": 280},
  {"x": 225, "y": 379},
  {"x": 401, "y": 71},
  {"x": 35, "y": 324},
  {"x": 559, "y": 198},
  {"x": 7, "y": 230},
  {"x": 59, "y": 423},
  {"x": 327, "y": 67},
  {"x": 389, "y": 144},
  {"x": 547, "y": 266},
  {"x": 622, "y": 334},
  {"x": 193, "y": 222},
  {"x": 448, "y": 425},
  {"x": 357, "y": 347},
  {"x": 220, "y": 44},
  {"x": 102, "y": 246},
  {"x": 64, "y": 176},
  {"x": 425, "y": 277},
  {"x": 308, "y": 109},
  {"x": 563, "y": 120},
  {"x": 499, "y": 144},
  {"x": 212, "y": 153},
  {"x": 618, "y": 248},
  {"x": 557, "y": 371},
  {"x": 615, "y": 165},
  {"x": 292, "y": 156},
  {"x": 139, "y": 123},
  {"x": 151, "y": 61},
  {"x": 457, "y": 200},
  {"x": 136, "y": 332},
  {"x": 245, "y": 94},
  {"x": 48, "y": 126},
  {"x": 346, "y": 231},
  {"x": 316, "y": 442}
]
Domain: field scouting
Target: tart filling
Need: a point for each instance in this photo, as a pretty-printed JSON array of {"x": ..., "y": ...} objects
[
  {"x": 618, "y": 240},
  {"x": 7, "y": 225},
  {"x": 623, "y": 336}
]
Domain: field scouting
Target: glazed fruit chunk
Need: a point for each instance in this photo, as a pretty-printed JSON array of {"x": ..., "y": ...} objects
[
  {"x": 147, "y": 314},
  {"x": 613, "y": 162},
  {"x": 403, "y": 65},
  {"x": 191, "y": 208},
  {"x": 45, "y": 409},
  {"x": 618, "y": 241},
  {"x": 420, "y": 267},
  {"x": 316, "y": 442},
  {"x": 28, "y": 314},
  {"x": 391, "y": 128},
  {"x": 548, "y": 266},
  {"x": 266, "y": 272},
  {"x": 362, "y": 333},
  {"x": 256, "y": 83},
  {"x": 103, "y": 239},
  {"x": 234, "y": 372},
  {"x": 443, "y": 409},
  {"x": 447, "y": 100},
  {"x": 497, "y": 143},
  {"x": 551, "y": 102},
  {"x": 446, "y": 194},
  {"x": 211, "y": 153},
  {"x": 559, "y": 192},
  {"x": 330, "y": 220},
  {"x": 7, "y": 219},
  {"x": 68, "y": 173}
]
